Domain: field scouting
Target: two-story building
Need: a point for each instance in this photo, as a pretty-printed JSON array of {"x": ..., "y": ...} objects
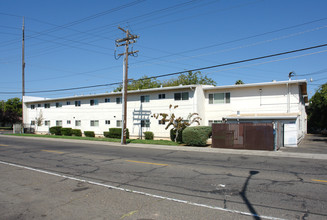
[{"x": 282, "y": 101}]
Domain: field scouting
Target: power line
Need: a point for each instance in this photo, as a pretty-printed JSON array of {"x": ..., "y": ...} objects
[{"x": 180, "y": 72}]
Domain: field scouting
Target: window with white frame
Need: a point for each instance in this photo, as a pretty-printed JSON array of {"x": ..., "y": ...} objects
[
  {"x": 77, "y": 103},
  {"x": 68, "y": 103},
  {"x": 58, "y": 104},
  {"x": 38, "y": 105},
  {"x": 32, "y": 122},
  {"x": 161, "y": 122},
  {"x": 59, "y": 123},
  {"x": 32, "y": 106},
  {"x": 181, "y": 96},
  {"x": 69, "y": 122},
  {"x": 107, "y": 122},
  {"x": 219, "y": 98},
  {"x": 107, "y": 100},
  {"x": 145, "y": 98},
  {"x": 78, "y": 123},
  {"x": 46, "y": 105},
  {"x": 94, "y": 123},
  {"x": 118, "y": 100},
  {"x": 161, "y": 96},
  {"x": 94, "y": 102},
  {"x": 47, "y": 122},
  {"x": 145, "y": 123},
  {"x": 119, "y": 123}
]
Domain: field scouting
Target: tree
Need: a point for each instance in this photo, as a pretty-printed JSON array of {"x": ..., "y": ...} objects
[
  {"x": 317, "y": 110},
  {"x": 239, "y": 82},
  {"x": 144, "y": 83},
  {"x": 178, "y": 123},
  {"x": 11, "y": 111},
  {"x": 189, "y": 78}
]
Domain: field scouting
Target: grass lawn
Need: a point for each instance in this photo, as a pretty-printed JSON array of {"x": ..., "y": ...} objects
[{"x": 137, "y": 141}]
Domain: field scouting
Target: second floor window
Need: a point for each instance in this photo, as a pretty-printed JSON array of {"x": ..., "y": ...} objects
[
  {"x": 145, "y": 98},
  {"x": 107, "y": 100},
  {"x": 77, "y": 103},
  {"x": 94, "y": 102},
  {"x": 118, "y": 100},
  {"x": 58, "y": 104},
  {"x": 161, "y": 96},
  {"x": 181, "y": 96},
  {"x": 32, "y": 106},
  {"x": 47, "y": 105},
  {"x": 219, "y": 98}
]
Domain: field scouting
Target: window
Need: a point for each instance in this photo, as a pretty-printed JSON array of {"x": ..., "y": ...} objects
[
  {"x": 58, "y": 104},
  {"x": 161, "y": 122},
  {"x": 68, "y": 122},
  {"x": 181, "y": 96},
  {"x": 210, "y": 122},
  {"x": 46, "y": 105},
  {"x": 107, "y": 122},
  {"x": 94, "y": 102},
  {"x": 38, "y": 105},
  {"x": 58, "y": 123},
  {"x": 145, "y": 123},
  {"x": 94, "y": 123},
  {"x": 161, "y": 96},
  {"x": 47, "y": 123},
  {"x": 145, "y": 98},
  {"x": 119, "y": 123},
  {"x": 32, "y": 106},
  {"x": 33, "y": 122},
  {"x": 68, "y": 103},
  {"x": 107, "y": 100},
  {"x": 77, "y": 103},
  {"x": 78, "y": 123},
  {"x": 118, "y": 100},
  {"x": 219, "y": 98}
]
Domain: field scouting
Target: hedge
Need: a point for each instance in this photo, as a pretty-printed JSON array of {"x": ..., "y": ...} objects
[
  {"x": 77, "y": 132},
  {"x": 196, "y": 136},
  {"x": 116, "y": 133},
  {"x": 106, "y": 134},
  {"x": 89, "y": 134},
  {"x": 66, "y": 131},
  {"x": 55, "y": 130},
  {"x": 148, "y": 135}
]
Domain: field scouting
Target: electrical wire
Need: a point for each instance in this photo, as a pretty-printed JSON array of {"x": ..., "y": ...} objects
[{"x": 181, "y": 72}]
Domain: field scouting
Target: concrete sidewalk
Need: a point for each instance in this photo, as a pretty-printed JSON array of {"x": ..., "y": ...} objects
[{"x": 310, "y": 148}]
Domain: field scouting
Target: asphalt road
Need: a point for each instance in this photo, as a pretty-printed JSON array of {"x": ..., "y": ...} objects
[{"x": 103, "y": 181}]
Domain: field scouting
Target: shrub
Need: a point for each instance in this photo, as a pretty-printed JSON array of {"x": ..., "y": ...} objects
[
  {"x": 148, "y": 135},
  {"x": 66, "y": 131},
  {"x": 55, "y": 130},
  {"x": 77, "y": 132},
  {"x": 196, "y": 136},
  {"x": 89, "y": 134},
  {"x": 173, "y": 135},
  {"x": 106, "y": 134},
  {"x": 116, "y": 133}
]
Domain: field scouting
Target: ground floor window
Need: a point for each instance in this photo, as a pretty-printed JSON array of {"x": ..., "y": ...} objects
[
  {"x": 119, "y": 123},
  {"x": 47, "y": 123},
  {"x": 210, "y": 122},
  {"x": 145, "y": 123},
  {"x": 94, "y": 123},
  {"x": 58, "y": 123},
  {"x": 78, "y": 123}
]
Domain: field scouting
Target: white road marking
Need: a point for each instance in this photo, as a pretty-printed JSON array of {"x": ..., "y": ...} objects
[{"x": 143, "y": 193}]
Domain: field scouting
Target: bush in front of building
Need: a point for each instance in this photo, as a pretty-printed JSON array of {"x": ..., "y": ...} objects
[
  {"x": 116, "y": 133},
  {"x": 106, "y": 134},
  {"x": 196, "y": 136},
  {"x": 148, "y": 135},
  {"x": 56, "y": 130},
  {"x": 89, "y": 134},
  {"x": 173, "y": 135},
  {"x": 66, "y": 131},
  {"x": 77, "y": 132}
]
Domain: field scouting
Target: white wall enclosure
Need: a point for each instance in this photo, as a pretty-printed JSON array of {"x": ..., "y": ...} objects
[{"x": 259, "y": 102}]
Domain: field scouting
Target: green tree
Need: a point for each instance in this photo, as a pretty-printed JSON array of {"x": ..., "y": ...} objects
[
  {"x": 11, "y": 111},
  {"x": 239, "y": 82},
  {"x": 317, "y": 110},
  {"x": 144, "y": 83}
]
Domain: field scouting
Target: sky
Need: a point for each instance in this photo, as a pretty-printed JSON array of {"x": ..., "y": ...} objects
[{"x": 71, "y": 44}]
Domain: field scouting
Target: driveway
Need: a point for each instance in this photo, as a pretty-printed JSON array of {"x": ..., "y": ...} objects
[{"x": 312, "y": 143}]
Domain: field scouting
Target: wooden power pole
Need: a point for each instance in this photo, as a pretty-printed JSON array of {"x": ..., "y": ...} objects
[
  {"x": 129, "y": 39},
  {"x": 23, "y": 71}
]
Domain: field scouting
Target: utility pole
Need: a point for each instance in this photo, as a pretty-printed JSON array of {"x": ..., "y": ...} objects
[
  {"x": 23, "y": 71},
  {"x": 129, "y": 39}
]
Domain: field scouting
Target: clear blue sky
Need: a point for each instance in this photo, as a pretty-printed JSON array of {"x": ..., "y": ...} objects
[{"x": 71, "y": 43}]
